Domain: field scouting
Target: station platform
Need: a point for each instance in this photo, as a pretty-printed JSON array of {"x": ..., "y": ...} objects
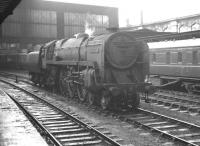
[{"x": 15, "y": 128}]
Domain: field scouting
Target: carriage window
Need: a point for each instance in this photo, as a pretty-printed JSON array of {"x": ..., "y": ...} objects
[
  {"x": 168, "y": 58},
  {"x": 180, "y": 57},
  {"x": 154, "y": 57},
  {"x": 194, "y": 57}
]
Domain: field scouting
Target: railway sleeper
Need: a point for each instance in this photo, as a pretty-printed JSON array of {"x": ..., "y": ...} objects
[
  {"x": 175, "y": 104},
  {"x": 63, "y": 127},
  {"x": 73, "y": 135},
  {"x": 55, "y": 122},
  {"x": 168, "y": 104},
  {"x": 60, "y": 124},
  {"x": 194, "y": 109},
  {"x": 76, "y": 139},
  {"x": 98, "y": 141},
  {"x": 188, "y": 135},
  {"x": 183, "y": 108},
  {"x": 67, "y": 130},
  {"x": 181, "y": 129}
]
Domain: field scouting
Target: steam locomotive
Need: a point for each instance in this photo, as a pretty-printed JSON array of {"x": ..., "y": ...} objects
[{"x": 108, "y": 69}]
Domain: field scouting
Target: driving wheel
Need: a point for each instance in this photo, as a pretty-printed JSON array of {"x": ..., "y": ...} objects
[{"x": 82, "y": 93}]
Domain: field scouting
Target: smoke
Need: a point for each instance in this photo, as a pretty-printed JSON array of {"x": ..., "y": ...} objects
[{"x": 89, "y": 29}]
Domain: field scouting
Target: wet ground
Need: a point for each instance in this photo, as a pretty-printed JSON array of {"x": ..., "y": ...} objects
[{"x": 15, "y": 128}]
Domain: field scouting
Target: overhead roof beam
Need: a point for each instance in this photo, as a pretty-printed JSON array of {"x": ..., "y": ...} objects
[{"x": 7, "y": 7}]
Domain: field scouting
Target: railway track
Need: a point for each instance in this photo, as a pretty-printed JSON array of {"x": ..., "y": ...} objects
[
  {"x": 177, "y": 130},
  {"x": 59, "y": 127},
  {"x": 184, "y": 132},
  {"x": 177, "y": 102}
]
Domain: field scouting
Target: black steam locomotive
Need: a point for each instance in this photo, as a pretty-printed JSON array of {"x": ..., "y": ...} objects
[{"x": 108, "y": 69}]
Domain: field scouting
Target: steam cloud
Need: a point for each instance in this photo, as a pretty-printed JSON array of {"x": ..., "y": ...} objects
[{"x": 89, "y": 29}]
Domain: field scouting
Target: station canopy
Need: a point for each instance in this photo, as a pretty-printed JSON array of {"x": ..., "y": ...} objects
[{"x": 154, "y": 36}]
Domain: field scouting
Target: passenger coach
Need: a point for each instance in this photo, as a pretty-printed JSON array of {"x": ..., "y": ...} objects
[{"x": 173, "y": 60}]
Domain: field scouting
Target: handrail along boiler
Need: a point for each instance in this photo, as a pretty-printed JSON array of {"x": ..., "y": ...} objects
[{"x": 108, "y": 69}]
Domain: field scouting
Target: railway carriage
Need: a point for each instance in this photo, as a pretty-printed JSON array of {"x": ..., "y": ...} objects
[
  {"x": 173, "y": 60},
  {"x": 3, "y": 60},
  {"x": 12, "y": 60}
]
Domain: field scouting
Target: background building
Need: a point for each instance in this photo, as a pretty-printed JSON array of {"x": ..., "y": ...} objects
[{"x": 37, "y": 21}]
